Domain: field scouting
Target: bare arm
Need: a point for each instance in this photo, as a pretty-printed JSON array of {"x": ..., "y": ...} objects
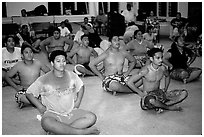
[
  {"x": 167, "y": 79},
  {"x": 150, "y": 45},
  {"x": 79, "y": 97},
  {"x": 192, "y": 59},
  {"x": 41, "y": 108},
  {"x": 95, "y": 62},
  {"x": 166, "y": 58},
  {"x": 128, "y": 47},
  {"x": 71, "y": 54},
  {"x": 135, "y": 78},
  {"x": 70, "y": 43},
  {"x": 44, "y": 43},
  {"x": 10, "y": 74},
  {"x": 95, "y": 54},
  {"x": 132, "y": 63},
  {"x": 44, "y": 68}
]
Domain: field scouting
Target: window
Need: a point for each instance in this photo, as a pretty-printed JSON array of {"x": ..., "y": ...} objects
[
  {"x": 162, "y": 9},
  {"x": 146, "y": 7},
  {"x": 54, "y": 8},
  {"x": 4, "y": 14},
  {"x": 173, "y": 8},
  {"x": 165, "y": 9},
  {"x": 83, "y": 7},
  {"x": 103, "y": 6},
  {"x": 114, "y": 6},
  {"x": 69, "y": 8}
]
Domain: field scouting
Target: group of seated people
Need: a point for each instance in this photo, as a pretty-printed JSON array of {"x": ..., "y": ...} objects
[{"x": 57, "y": 93}]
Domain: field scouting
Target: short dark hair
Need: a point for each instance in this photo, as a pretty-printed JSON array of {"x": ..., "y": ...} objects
[
  {"x": 24, "y": 26},
  {"x": 178, "y": 13},
  {"x": 24, "y": 46},
  {"x": 131, "y": 23},
  {"x": 135, "y": 32},
  {"x": 85, "y": 35},
  {"x": 177, "y": 37},
  {"x": 56, "y": 29},
  {"x": 152, "y": 51},
  {"x": 9, "y": 36},
  {"x": 56, "y": 53},
  {"x": 129, "y": 5},
  {"x": 62, "y": 22},
  {"x": 149, "y": 28},
  {"x": 23, "y": 10}
]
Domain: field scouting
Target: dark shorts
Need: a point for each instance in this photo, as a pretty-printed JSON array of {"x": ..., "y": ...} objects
[
  {"x": 140, "y": 61},
  {"x": 169, "y": 98},
  {"x": 22, "y": 92},
  {"x": 115, "y": 77},
  {"x": 3, "y": 69},
  {"x": 86, "y": 66}
]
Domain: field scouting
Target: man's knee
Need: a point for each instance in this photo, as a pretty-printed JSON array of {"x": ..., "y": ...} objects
[
  {"x": 91, "y": 117},
  {"x": 184, "y": 74},
  {"x": 3, "y": 75},
  {"x": 47, "y": 123},
  {"x": 152, "y": 101},
  {"x": 115, "y": 86},
  {"x": 197, "y": 73}
]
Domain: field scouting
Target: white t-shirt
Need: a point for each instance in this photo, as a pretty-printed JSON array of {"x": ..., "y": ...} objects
[
  {"x": 64, "y": 31},
  {"x": 57, "y": 100},
  {"x": 10, "y": 59},
  {"x": 148, "y": 37},
  {"x": 129, "y": 16},
  {"x": 78, "y": 35}
]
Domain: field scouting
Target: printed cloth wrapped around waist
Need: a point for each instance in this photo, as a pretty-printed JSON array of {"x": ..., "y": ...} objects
[
  {"x": 114, "y": 77},
  {"x": 169, "y": 98},
  {"x": 141, "y": 59}
]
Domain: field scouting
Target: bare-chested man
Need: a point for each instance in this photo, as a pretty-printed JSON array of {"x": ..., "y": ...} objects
[
  {"x": 56, "y": 42},
  {"x": 83, "y": 53},
  {"x": 114, "y": 79},
  {"x": 28, "y": 70},
  {"x": 152, "y": 96}
]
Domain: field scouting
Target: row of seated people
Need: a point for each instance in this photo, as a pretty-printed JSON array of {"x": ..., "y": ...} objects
[
  {"x": 138, "y": 45},
  {"x": 138, "y": 48},
  {"x": 56, "y": 41},
  {"x": 149, "y": 61},
  {"x": 151, "y": 71}
]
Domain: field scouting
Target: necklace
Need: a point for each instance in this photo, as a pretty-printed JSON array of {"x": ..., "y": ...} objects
[
  {"x": 139, "y": 42},
  {"x": 154, "y": 68}
]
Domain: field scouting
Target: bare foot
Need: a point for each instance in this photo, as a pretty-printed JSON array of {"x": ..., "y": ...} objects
[
  {"x": 176, "y": 108},
  {"x": 92, "y": 131}
]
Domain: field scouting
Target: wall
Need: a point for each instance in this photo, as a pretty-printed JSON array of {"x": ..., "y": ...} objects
[
  {"x": 14, "y": 8},
  {"x": 183, "y": 8}
]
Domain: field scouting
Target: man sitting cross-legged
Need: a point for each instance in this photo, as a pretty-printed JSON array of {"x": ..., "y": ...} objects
[
  {"x": 61, "y": 92},
  {"x": 151, "y": 75},
  {"x": 28, "y": 70},
  {"x": 83, "y": 54},
  {"x": 114, "y": 79},
  {"x": 56, "y": 42}
]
